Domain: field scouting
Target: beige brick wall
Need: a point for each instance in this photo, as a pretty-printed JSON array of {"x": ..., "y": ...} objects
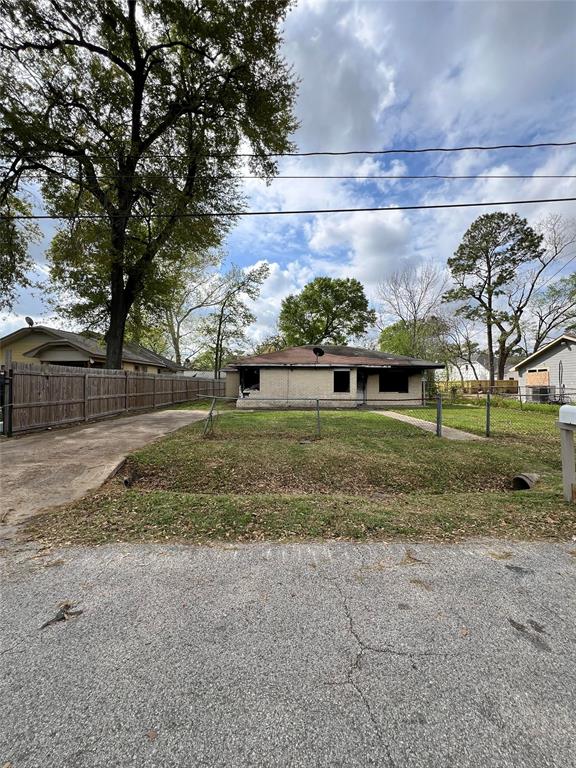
[
  {"x": 232, "y": 384},
  {"x": 307, "y": 383}
]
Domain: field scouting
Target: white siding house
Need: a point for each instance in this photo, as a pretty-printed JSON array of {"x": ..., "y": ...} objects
[{"x": 550, "y": 373}]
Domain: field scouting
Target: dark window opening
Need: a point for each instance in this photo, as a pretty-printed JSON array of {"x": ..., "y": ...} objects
[
  {"x": 341, "y": 381},
  {"x": 251, "y": 379},
  {"x": 393, "y": 381}
]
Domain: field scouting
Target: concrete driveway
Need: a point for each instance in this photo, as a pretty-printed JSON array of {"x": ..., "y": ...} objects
[
  {"x": 290, "y": 655},
  {"x": 51, "y": 468}
]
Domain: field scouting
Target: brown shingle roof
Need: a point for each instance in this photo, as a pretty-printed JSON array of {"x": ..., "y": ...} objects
[{"x": 334, "y": 356}]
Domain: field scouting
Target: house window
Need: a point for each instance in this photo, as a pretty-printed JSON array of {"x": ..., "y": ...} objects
[
  {"x": 393, "y": 381},
  {"x": 341, "y": 381}
]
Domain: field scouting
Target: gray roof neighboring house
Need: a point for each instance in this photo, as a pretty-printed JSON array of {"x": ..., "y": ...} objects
[
  {"x": 569, "y": 339},
  {"x": 91, "y": 344}
]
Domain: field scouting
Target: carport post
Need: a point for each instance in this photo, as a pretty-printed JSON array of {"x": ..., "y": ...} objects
[
  {"x": 438, "y": 415},
  {"x": 318, "y": 418}
]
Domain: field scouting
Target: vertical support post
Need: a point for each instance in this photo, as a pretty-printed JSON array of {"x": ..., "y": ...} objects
[
  {"x": 568, "y": 469},
  {"x": 488, "y": 414},
  {"x": 208, "y": 423},
  {"x": 317, "y": 418},
  {"x": 8, "y": 407},
  {"x": 154, "y": 391},
  {"x": 125, "y": 390},
  {"x": 86, "y": 375},
  {"x": 438, "y": 415},
  {"x": 423, "y": 391}
]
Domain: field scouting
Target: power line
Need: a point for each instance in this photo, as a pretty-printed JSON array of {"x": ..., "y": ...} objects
[
  {"x": 408, "y": 177},
  {"x": 322, "y": 153},
  {"x": 232, "y": 214}
]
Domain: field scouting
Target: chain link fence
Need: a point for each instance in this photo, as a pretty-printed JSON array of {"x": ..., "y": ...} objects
[
  {"x": 494, "y": 416},
  {"x": 499, "y": 416}
]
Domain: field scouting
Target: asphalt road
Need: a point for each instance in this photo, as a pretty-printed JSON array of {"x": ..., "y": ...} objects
[{"x": 298, "y": 655}]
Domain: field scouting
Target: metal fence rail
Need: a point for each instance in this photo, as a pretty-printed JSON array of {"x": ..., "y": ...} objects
[
  {"x": 495, "y": 416},
  {"x": 37, "y": 397}
]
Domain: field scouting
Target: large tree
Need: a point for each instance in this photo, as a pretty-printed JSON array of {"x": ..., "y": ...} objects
[
  {"x": 330, "y": 310},
  {"x": 225, "y": 327},
  {"x": 16, "y": 235},
  {"x": 412, "y": 297},
  {"x": 131, "y": 115},
  {"x": 495, "y": 271}
]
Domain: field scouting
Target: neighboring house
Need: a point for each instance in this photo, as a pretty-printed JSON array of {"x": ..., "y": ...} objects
[
  {"x": 344, "y": 376},
  {"x": 40, "y": 344},
  {"x": 550, "y": 373},
  {"x": 201, "y": 374},
  {"x": 466, "y": 370}
]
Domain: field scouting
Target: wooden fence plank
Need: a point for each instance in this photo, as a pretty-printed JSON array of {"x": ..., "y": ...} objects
[{"x": 49, "y": 395}]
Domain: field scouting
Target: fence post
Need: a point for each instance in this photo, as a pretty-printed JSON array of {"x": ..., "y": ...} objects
[
  {"x": 154, "y": 391},
  {"x": 125, "y": 390},
  {"x": 8, "y": 406},
  {"x": 438, "y": 415},
  {"x": 488, "y": 409},
  {"x": 318, "y": 418},
  {"x": 86, "y": 375}
]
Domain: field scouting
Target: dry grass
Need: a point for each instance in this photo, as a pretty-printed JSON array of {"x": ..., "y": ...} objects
[{"x": 263, "y": 476}]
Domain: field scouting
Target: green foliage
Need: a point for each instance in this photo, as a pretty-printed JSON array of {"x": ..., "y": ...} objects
[
  {"x": 15, "y": 260},
  {"x": 329, "y": 310},
  {"x": 135, "y": 116},
  {"x": 225, "y": 328},
  {"x": 273, "y": 343},
  {"x": 423, "y": 339},
  {"x": 486, "y": 271},
  {"x": 487, "y": 261}
]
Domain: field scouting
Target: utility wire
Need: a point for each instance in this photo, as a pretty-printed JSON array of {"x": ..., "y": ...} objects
[
  {"x": 323, "y": 153},
  {"x": 233, "y": 214},
  {"x": 144, "y": 173}
]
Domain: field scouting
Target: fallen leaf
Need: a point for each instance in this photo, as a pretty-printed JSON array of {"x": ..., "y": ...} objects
[
  {"x": 421, "y": 583},
  {"x": 464, "y": 632},
  {"x": 500, "y": 555},
  {"x": 152, "y": 735},
  {"x": 410, "y": 559}
]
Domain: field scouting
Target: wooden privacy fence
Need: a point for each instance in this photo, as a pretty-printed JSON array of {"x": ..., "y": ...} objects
[{"x": 37, "y": 397}]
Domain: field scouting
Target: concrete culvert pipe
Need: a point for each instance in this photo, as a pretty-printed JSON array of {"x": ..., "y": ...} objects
[{"x": 525, "y": 481}]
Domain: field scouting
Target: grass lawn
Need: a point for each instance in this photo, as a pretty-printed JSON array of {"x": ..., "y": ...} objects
[
  {"x": 507, "y": 423},
  {"x": 263, "y": 475}
]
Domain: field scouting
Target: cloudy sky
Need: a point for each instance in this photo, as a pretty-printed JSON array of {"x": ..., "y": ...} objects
[{"x": 377, "y": 75}]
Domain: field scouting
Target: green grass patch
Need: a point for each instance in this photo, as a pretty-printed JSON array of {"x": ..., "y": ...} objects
[
  {"x": 265, "y": 475},
  {"x": 511, "y": 424}
]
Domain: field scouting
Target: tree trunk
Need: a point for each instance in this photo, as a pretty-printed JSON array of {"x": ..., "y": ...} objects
[
  {"x": 115, "y": 335},
  {"x": 490, "y": 352},
  {"x": 218, "y": 345},
  {"x": 503, "y": 355},
  {"x": 119, "y": 308}
]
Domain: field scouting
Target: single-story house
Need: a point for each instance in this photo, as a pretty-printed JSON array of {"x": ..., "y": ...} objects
[
  {"x": 41, "y": 344},
  {"x": 550, "y": 373},
  {"x": 476, "y": 369},
  {"x": 343, "y": 377}
]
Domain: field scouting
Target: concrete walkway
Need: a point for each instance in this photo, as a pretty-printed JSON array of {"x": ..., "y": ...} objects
[
  {"x": 51, "y": 468},
  {"x": 448, "y": 432}
]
